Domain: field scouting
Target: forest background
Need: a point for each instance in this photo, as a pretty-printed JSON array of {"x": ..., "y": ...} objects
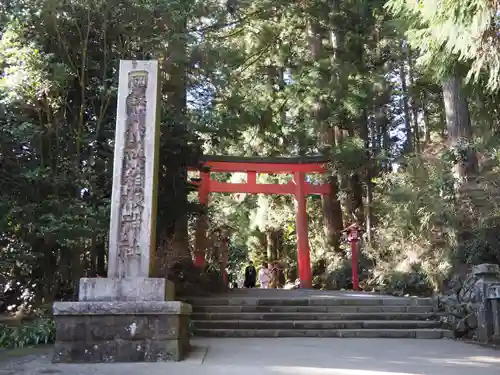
[{"x": 401, "y": 96}]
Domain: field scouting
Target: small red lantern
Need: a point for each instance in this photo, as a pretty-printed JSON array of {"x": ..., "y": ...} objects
[{"x": 354, "y": 234}]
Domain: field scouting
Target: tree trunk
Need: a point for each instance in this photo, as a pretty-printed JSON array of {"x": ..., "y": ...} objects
[
  {"x": 101, "y": 259},
  {"x": 456, "y": 110},
  {"x": 427, "y": 123},
  {"x": 369, "y": 171},
  {"x": 414, "y": 102},
  {"x": 274, "y": 243},
  {"x": 458, "y": 125},
  {"x": 355, "y": 191},
  {"x": 332, "y": 209},
  {"x": 369, "y": 209},
  {"x": 173, "y": 228},
  {"x": 469, "y": 193},
  {"x": 408, "y": 146}
]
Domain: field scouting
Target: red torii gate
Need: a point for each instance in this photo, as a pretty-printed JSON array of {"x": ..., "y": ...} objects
[{"x": 299, "y": 187}]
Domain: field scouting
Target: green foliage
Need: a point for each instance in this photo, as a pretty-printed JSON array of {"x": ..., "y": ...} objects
[
  {"x": 237, "y": 256},
  {"x": 482, "y": 244},
  {"x": 401, "y": 283},
  {"x": 350, "y": 155},
  {"x": 57, "y": 118},
  {"x": 426, "y": 228},
  {"x": 414, "y": 221},
  {"x": 39, "y": 331},
  {"x": 447, "y": 31}
]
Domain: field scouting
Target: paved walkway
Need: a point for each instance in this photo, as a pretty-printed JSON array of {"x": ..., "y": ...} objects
[{"x": 294, "y": 356}]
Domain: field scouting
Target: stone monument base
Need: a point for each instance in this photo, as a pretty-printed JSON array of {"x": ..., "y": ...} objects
[
  {"x": 126, "y": 289},
  {"x": 145, "y": 331}
]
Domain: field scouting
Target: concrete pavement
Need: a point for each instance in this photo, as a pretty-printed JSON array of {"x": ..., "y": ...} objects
[{"x": 294, "y": 356}]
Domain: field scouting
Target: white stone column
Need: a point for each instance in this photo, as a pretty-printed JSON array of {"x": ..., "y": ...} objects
[
  {"x": 128, "y": 316},
  {"x": 134, "y": 197},
  {"x": 135, "y": 180}
]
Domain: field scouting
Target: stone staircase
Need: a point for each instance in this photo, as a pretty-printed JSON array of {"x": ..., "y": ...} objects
[{"x": 311, "y": 313}]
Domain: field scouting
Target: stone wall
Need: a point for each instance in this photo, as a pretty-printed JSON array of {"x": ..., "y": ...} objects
[{"x": 467, "y": 310}]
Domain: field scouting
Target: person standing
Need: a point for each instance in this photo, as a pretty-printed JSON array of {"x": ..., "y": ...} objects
[
  {"x": 232, "y": 281},
  {"x": 264, "y": 276},
  {"x": 250, "y": 276},
  {"x": 274, "y": 276}
]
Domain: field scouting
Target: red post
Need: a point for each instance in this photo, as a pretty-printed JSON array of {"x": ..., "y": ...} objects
[
  {"x": 353, "y": 231},
  {"x": 252, "y": 178},
  {"x": 304, "y": 262},
  {"x": 201, "y": 221}
]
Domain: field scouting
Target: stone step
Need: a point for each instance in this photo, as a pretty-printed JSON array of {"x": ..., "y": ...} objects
[
  {"x": 294, "y": 316},
  {"x": 315, "y": 324},
  {"x": 310, "y": 301},
  {"x": 198, "y": 308},
  {"x": 340, "y": 333}
]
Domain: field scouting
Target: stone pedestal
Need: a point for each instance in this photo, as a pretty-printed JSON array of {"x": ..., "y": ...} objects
[
  {"x": 488, "y": 276},
  {"x": 129, "y": 316},
  {"x": 126, "y": 289},
  {"x": 493, "y": 297},
  {"x": 121, "y": 331}
]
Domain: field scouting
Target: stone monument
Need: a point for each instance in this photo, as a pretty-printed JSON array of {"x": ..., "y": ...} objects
[
  {"x": 488, "y": 314},
  {"x": 130, "y": 316}
]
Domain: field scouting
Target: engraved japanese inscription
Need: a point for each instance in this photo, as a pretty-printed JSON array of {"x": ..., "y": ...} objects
[{"x": 133, "y": 177}]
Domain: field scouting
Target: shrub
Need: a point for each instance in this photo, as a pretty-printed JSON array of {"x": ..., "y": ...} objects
[{"x": 41, "y": 330}]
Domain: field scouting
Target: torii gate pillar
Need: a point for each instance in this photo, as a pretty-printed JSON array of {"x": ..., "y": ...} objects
[
  {"x": 202, "y": 221},
  {"x": 303, "y": 258}
]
